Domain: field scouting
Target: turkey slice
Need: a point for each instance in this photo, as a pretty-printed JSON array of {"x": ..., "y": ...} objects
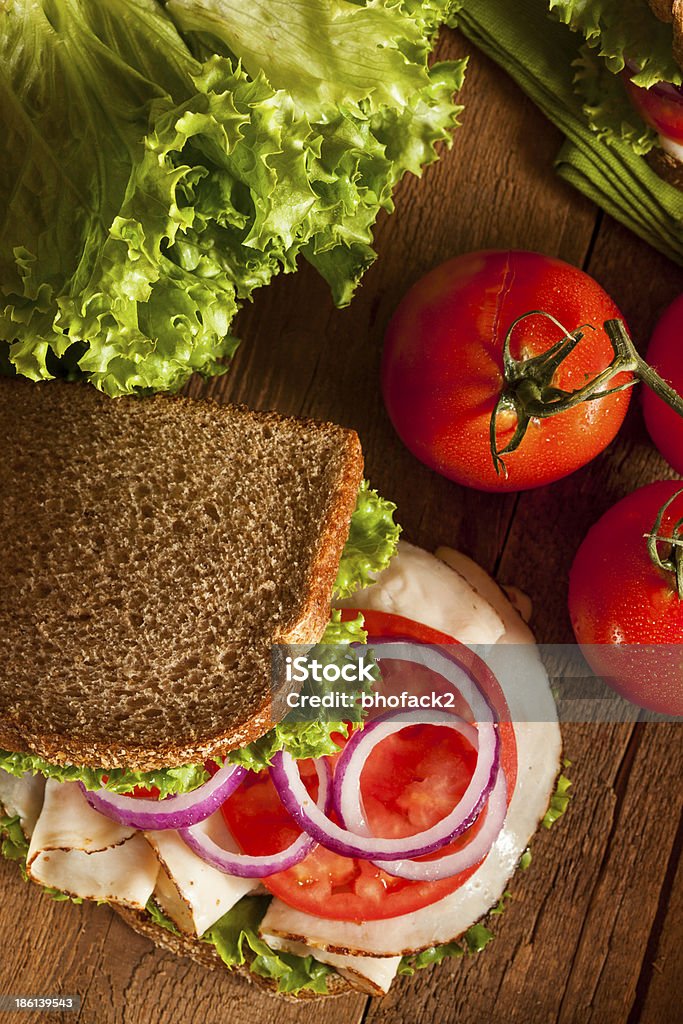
[
  {"x": 512, "y": 609},
  {"x": 77, "y": 850},
  {"x": 421, "y": 587},
  {"x": 192, "y": 893}
]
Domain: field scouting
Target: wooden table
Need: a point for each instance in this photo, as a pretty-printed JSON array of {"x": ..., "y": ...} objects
[{"x": 593, "y": 931}]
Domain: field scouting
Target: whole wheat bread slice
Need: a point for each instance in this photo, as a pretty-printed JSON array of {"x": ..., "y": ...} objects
[{"x": 152, "y": 551}]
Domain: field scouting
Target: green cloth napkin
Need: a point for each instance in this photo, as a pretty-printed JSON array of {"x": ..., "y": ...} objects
[{"x": 538, "y": 52}]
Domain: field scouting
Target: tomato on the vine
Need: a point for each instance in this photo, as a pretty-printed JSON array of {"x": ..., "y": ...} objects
[
  {"x": 624, "y": 600},
  {"x": 664, "y": 354},
  {"x": 443, "y": 367}
]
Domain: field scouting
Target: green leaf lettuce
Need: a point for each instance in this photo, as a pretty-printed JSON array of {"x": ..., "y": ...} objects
[
  {"x": 119, "y": 780},
  {"x": 559, "y": 801},
  {"x": 607, "y": 106},
  {"x": 161, "y": 163},
  {"x": 371, "y": 543},
  {"x": 621, "y": 31},
  {"x": 13, "y": 842},
  {"x": 236, "y": 939}
]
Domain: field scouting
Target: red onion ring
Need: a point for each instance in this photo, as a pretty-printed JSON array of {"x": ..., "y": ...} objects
[
  {"x": 493, "y": 817},
  {"x": 245, "y": 866},
  {"x": 666, "y": 89},
  {"x": 443, "y": 662},
  {"x": 310, "y": 819},
  {"x": 173, "y": 811}
]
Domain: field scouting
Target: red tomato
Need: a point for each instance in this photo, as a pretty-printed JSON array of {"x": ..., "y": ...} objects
[
  {"x": 661, "y": 106},
  {"x": 443, "y": 367},
  {"x": 618, "y": 597},
  {"x": 144, "y": 793},
  {"x": 409, "y": 782},
  {"x": 664, "y": 354},
  {"x": 140, "y": 792}
]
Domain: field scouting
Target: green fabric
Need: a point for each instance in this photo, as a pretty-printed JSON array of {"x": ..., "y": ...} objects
[{"x": 538, "y": 53}]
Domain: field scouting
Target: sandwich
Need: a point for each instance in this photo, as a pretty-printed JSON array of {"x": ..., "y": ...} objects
[
  {"x": 157, "y": 551},
  {"x": 630, "y": 75}
]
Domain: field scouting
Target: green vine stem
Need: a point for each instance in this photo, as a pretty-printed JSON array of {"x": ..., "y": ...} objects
[
  {"x": 528, "y": 389},
  {"x": 673, "y": 560}
]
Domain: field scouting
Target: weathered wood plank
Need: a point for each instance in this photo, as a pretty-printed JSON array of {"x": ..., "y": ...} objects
[
  {"x": 658, "y": 992},
  {"x": 623, "y": 904}
]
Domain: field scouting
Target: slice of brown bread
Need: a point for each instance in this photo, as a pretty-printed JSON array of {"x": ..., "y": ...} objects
[{"x": 152, "y": 551}]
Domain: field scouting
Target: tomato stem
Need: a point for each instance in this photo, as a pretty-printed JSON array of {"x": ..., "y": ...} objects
[
  {"x": 672, "y": 562},
  {"x": 528, "y": 388}
]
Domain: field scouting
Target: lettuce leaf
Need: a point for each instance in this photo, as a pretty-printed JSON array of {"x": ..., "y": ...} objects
[
  {"x": 119, "y": 780},
  {"x": 181, "y": 164},
  {"x": 607, "y": 107},
  {"x": 13, "y": 842},
  {"x": 336, "y": 54},
  {"x": 474, "y": 940},
  {"x": 235, "y": 937},
  {"x": 159, "y": 917},
  {"x": 371, "y": 544},
  {"x": 559, "y": 801},
  {"x": 624, "y": 30},
  {"x": 300, "y": 739}
]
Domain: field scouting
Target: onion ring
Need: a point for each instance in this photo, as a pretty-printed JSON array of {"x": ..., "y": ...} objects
[
  {"x": 349, "y": 843},
  {"x": 173, "y": 811},
  {"x": 245, "y": 866}
]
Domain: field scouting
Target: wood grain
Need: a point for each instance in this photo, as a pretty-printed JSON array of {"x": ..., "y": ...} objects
[{"x": 593, "y": 930}]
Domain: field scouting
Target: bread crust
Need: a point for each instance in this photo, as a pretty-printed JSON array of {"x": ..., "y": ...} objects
[
  {"x": 206, "y": 954},
  {"x": 662, "y": 9},
  {"x": 314, "y": 617},
  {"x": 304, "y": 621},
  {"x": 677, "y": 18}
]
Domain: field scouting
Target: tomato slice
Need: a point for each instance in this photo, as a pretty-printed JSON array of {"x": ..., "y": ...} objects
[
  {"x": 410, "y": 781},
  {"x": 144, "y": 793},
  {"x": 139, "y": 792},
  {"x": 661, "y": 108}
]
